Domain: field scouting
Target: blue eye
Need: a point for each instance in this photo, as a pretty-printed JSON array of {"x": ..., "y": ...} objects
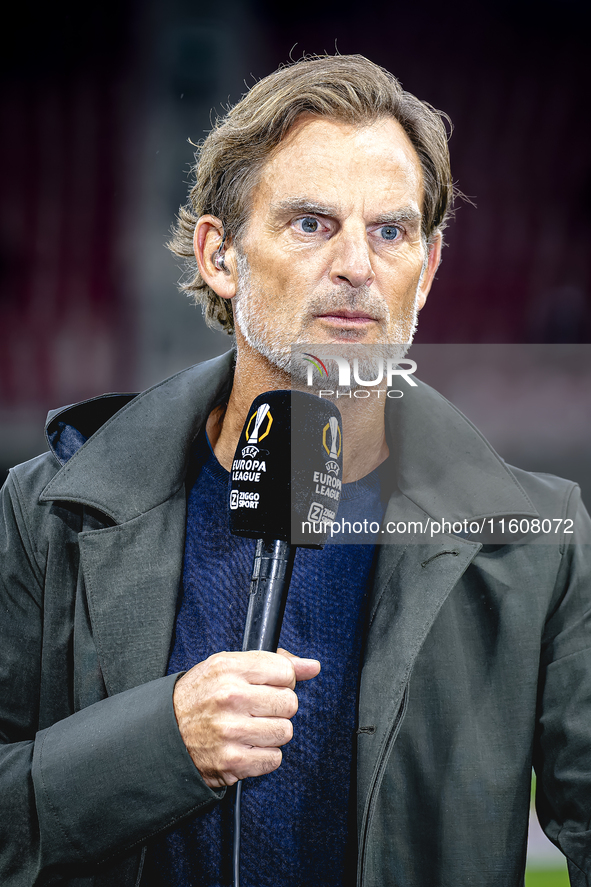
[
  {"x": 389, "y": 232},
  {"x": 309, "y": 225}
]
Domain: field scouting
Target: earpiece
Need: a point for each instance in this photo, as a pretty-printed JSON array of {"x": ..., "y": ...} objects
[{"x": 218, "y": 261}]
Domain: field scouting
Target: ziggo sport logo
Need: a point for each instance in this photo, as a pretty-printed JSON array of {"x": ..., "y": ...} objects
[{"x": 386, "y": 368}]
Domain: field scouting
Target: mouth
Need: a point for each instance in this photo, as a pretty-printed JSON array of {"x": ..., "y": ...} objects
[{"x": 346, "y": 319}]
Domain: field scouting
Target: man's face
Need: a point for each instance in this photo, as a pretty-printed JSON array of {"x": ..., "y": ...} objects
[{"x": 332, "y": 251}]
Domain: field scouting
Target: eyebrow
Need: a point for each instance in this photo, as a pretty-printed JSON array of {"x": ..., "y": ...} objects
[
  {"x": 301, "y": 206},
  {"x": 405, "y": 214}
]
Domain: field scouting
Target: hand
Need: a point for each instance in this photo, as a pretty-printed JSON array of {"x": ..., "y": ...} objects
[{"x": 233, "y": 711}]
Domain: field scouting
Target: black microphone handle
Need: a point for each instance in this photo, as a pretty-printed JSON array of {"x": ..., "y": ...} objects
[{"x": 271, "y": 575}]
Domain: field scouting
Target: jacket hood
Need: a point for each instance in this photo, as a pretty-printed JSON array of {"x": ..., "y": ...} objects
[{"x": 126, "y": 454}]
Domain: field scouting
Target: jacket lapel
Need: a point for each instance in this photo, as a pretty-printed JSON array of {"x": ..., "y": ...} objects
[
  {"x": 131, "y": 575},
  {"x": 132, "y": 470},
  {"x": 412, "y": 581},
  {"x": 444, "y": 470}
]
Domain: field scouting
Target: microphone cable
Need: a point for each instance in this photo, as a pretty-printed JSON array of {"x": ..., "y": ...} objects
[{"x": 236, "y": 837}]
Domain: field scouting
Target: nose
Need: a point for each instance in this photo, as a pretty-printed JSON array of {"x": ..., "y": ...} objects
[{"x": 351, "y": 260}]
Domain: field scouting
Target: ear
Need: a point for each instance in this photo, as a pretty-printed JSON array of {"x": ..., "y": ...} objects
[
  {"x": 433, "y": 260},
  {"x": 207, "y": 240}
]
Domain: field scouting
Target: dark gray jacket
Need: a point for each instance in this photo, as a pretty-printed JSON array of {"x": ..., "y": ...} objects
[{"x": 477, "y": 660}]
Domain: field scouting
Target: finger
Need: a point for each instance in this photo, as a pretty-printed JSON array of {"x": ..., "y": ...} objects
[
  {"x": 250, "y": 762},
  {"x": 304, "y": 668},
  {"x": 246, "y": 733},
  {"x": 265, "y": 732},
  {"x": 261, "y": 667},
  {"x": 241, "y": 763},
  {"x": 265, "y": 702},
  {"x": 253, "y": 666}
]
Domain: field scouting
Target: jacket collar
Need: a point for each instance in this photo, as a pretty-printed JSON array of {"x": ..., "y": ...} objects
[
  {"x": 138, "y": 458},
  {"x": 444, "y": 464}
]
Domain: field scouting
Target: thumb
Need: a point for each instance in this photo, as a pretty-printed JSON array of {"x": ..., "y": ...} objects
[{"x": 304, "y": 668}]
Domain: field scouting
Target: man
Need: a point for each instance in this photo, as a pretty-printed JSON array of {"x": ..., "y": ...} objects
[{"x": 448, "y": 665}]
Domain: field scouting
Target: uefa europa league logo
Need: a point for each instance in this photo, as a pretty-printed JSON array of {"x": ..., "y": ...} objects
[
  {"x": 260, "y": 415},
  {"x": 334, "y": 437}
]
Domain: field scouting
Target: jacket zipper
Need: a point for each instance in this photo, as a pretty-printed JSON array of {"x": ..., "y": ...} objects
[{"x": 377, "y": 782}]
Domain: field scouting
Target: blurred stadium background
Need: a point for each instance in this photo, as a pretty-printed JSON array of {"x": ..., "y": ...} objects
[{"x": 99, "y": 102}]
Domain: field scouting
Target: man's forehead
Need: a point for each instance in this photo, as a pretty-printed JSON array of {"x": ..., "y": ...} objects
[
  {"x": 318, "y": 155},
  {"x": 307, "y": 124}
]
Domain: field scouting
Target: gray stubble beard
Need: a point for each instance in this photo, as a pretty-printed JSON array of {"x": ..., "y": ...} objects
[{"x": 289, "y": 358}]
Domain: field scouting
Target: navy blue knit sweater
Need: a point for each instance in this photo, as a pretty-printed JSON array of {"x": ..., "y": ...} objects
[{"x": 298, "y": 823}]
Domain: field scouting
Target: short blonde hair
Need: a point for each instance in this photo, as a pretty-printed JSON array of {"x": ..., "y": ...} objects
[{"x": 228, "y": 163}]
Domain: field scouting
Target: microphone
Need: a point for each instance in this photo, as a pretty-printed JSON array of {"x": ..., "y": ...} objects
[
  {"x": 285, "y": 489},
  {"x": 286, "y": 483}
]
